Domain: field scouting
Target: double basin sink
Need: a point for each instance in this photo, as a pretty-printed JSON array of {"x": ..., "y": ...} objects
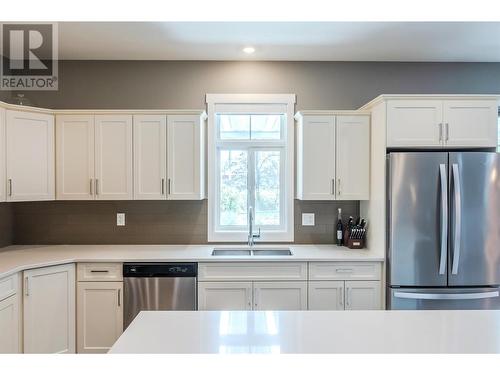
[{"x": 251, "y": 252}]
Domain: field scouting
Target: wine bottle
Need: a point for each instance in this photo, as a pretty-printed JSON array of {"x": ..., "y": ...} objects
[{"x": 340, "y": 229}]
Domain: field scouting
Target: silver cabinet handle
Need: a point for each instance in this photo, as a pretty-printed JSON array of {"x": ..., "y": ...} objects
[
  {"x": 447, "y": 131},
  {"x": 348, "y": 297},
  {"x": 10, "y": 187},
  {"x": 344, "y": 270},
  {"x": 169, "y": 186},
  {"x": 119, "y": 297},
  {"x": 338, "y": 186},
  {"x": 162, "y": 186},
  {"x": 341, "y": 296},
  {"x": 91, "y": 187},
  {"x": 444, "y": 219},
  {"x": 458, "y": 219},
  {"x": 256, "y": 297},
  {"x": 99, "y": 271},
  {"x": 438, "y": 296},
  {"x": 249, "y": 293},
  {"x": 26, "y": 286},
  {"x": 96, "y": 186},
  {"x": 440, "y": 131},
  {"x": 332, "y": 187}
]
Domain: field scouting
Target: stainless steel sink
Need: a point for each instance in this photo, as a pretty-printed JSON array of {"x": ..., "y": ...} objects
[
  {"x": 231, "y": 252},
  {"x": 272, "y": 252},
  {"x": 251, "y": 252}
]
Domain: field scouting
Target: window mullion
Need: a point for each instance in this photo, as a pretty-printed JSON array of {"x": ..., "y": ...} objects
[{"x": 251, "y": 181}]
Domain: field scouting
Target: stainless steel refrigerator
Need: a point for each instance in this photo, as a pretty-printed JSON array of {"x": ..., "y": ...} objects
[{"x": 443, "y": 230}]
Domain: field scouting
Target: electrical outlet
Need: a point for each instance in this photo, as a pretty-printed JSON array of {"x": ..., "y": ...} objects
[
  {"x": 120, "y": 220},
  {"x": 308, "y": 219}
]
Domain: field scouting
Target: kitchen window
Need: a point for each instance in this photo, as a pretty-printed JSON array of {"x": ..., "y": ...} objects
[
  {"x": 498, "y": 128},
  {"x": 250, "y": 154}
]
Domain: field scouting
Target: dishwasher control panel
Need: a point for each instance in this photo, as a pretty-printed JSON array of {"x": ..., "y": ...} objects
[{"x": 160, "y": 269}]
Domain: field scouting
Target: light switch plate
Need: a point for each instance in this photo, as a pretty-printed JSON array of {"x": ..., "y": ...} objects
[
  {"x": 308, "y": 219},
  {"x": 120, "y": 219}
]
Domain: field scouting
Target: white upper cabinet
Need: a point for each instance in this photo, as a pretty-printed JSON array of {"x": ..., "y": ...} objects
[
  {"x": 316, "y": 158},
  {"x": 185, "y": 160},
  {"x": 2, "y": 155},
  {"x": 150, "y": 156},
  {"x": 280, "y": 295},
  {"x": 75, "y": 157},
  {"x": 333, "y": 157},
  {"x": 470, "y": 123},
  {"x": 414, "y": 123},
  {"x": 30, "y": 156},
  {"x": 49, "y": 309},
  {"x": 353, "y": 158},
  {"x": 113, "y": 167}
]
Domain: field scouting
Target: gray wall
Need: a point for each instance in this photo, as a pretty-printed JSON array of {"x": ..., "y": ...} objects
[{"x": 183, "y": 85}]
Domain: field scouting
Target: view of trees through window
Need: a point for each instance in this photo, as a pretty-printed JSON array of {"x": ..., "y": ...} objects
[{"x": 250, "y": 172}]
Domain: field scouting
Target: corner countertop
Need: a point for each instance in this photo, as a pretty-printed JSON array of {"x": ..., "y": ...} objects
[
  {"x": 298, "y": 332},
  {"x": 19, "y": 258}
]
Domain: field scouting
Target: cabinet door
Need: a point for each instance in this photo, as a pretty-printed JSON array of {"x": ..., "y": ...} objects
[
  {"x": 30, "y": 156},
  {"x": 185, "y": 173},
  {"x": 150, "y": 157},
  {"x": 414, "y": 123},
  {"x": 114, "y": 179},
  {"x": 49, "y": 309},
  {"x": 75, "y": 157},
  {"x": 362, "y": 295},
  {"x": 353, "y": 158},
  {"x": 224, "y": 295},
  {"x": 9, "y": 325},
  {"x": 326, "y": 295},
  {"x": 316, "y": 158},
  {"x": 280, "y": 295},
  {"x": 470, "y": 123},
  {"x": 2, "y": 155},
  {"x": 100, "y": 315}
]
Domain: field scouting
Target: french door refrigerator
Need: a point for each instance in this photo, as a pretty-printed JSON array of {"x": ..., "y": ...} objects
[{"x": 444, "y": 230}]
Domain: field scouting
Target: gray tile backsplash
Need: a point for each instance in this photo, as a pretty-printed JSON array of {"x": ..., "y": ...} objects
[{"x": 147, "y": 222}]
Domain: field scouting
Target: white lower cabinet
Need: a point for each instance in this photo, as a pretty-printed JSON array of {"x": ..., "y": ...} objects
[
  {"x": 225, "y": 295},
  {"x": 362, "y": 295},
  {"x": 49, "y": 309},
  {"x": 10, "y": 325},
  {"x": 99, "y": 315},
  {"x": 280, "y": 295},
  {"x": 326, "y": 295}
]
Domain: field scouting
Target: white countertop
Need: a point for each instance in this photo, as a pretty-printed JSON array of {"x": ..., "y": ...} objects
[
  {"x": 18, "y": 258},
  {"x": 424, "y": 331}
]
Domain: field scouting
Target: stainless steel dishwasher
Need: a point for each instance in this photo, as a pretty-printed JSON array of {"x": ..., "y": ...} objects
[{"x": 158, "y": 286}]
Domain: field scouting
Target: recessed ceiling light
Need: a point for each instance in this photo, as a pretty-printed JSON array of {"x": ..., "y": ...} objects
[{"x": 249, "y": 50}]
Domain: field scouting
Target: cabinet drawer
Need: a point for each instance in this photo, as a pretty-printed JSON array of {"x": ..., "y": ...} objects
[
  {"x": 252, "y": 271},
  {"x": 9, "y": 286},
  {"x": 344, "y": 271},
  {"x": 99, "y": 272}
]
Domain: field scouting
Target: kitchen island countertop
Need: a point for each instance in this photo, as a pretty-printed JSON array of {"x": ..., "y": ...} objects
[{"x": 424, "y": 331}]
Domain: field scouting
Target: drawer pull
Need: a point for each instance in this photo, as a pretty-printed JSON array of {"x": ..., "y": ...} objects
[
  {"x": 99, "y": 271},
  {"x": 344, "y": 270}
]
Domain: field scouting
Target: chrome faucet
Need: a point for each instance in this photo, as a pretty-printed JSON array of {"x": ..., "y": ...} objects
[{"x": 251, "y": 235}]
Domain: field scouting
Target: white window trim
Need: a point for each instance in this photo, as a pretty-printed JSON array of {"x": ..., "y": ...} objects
[{"x": 285, "y": 235}]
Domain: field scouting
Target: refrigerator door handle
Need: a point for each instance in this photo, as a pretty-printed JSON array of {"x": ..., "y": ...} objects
[
  {"x": 444, "y": 219},
  {"x": 447, "y": 296},
  {"x": 458, "y": 219}
]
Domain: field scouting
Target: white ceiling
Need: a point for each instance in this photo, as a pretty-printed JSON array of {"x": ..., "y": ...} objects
[{"x": 333, "y": 41}]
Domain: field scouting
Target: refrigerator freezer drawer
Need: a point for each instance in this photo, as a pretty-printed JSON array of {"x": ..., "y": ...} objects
[{"x": 444, "y": 299}]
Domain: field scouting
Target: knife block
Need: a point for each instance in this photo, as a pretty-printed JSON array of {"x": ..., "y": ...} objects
[{"x": 353, "y": 243}]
